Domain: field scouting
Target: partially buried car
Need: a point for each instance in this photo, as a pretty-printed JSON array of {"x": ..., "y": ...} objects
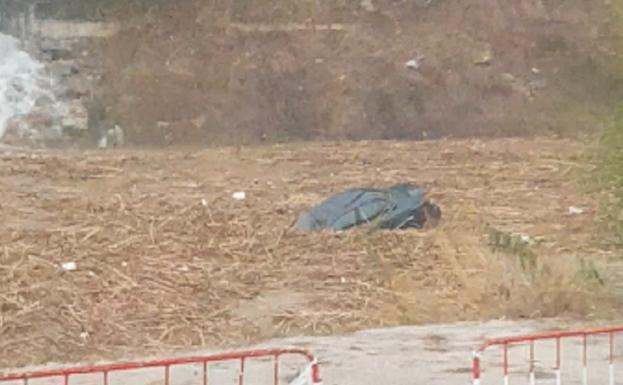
[{"x": 400, "y": 206}]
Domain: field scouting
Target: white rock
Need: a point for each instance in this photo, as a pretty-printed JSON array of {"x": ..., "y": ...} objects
[{"x": 575, "y": 210}]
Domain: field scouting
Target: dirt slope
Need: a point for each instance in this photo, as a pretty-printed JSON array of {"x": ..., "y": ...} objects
[
  {"x": 166, "y": 259},
  {"x": 245, "y": 71}
]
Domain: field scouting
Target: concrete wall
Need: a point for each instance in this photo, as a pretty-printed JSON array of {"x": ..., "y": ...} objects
[{"x": 16, "y": 17}]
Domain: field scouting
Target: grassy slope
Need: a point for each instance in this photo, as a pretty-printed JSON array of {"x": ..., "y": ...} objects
[
  {"x": 610, "y": 148},
  {"x": 610, "y": 174}
]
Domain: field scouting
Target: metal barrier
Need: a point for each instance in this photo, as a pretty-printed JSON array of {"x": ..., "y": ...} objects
[
  {"x": 530, "y": 339},
  {"x": 310, "y": 375}
]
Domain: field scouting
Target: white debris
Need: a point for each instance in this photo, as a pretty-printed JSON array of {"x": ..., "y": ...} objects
[
  {"x": 536, "y": 71},
  {"x": 103, "y": 142},
  {"x": 414, "y": 63},
  {"x": 484, "y": 56},
  {"x": 239, "y": 195},
  {"x": 69, "y": 266},
  {"x": 119, "y": 135},
  {"x": 367, "y": 5},
  {"x": 526, "y": 238},
  {"x": 204, "y": 202},
  {"x": 84, "y": 336},
  {"x": 523, "y": 238},
  {"x": 303, "y": 377},
  {"x": 113, "y": 137},
  {"x": 575, "y": 210},
  {"x": 124, "y": 264}
]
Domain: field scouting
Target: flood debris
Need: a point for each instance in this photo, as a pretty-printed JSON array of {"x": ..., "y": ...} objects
[
  {"x": 113, "y": 137},
  {"x": 239, "y": 195},
  {"x": 69, "y": 266}
]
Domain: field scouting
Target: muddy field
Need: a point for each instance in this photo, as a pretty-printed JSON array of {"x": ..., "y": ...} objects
[{"x": 167, "y": 260}]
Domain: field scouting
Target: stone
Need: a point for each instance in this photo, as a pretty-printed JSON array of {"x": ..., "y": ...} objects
[
  {"x": 62, "y": 68},
  {"x": 76, "y": 86},
  {"x": 75, "y": 116},
  {"x": 48, "y": 44}
]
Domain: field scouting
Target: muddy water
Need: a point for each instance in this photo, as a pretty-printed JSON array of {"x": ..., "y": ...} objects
[{"x": 28, "y": 107}]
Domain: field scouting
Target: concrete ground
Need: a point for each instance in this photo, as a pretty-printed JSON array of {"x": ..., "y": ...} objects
[{"x": 437, "y": 354}]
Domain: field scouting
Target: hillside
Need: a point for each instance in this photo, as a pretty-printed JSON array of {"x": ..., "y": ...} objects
[{"x": 239, "y": 72}]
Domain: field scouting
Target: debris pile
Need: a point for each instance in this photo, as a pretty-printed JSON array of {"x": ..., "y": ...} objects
[{"x": 107, "y": 254}]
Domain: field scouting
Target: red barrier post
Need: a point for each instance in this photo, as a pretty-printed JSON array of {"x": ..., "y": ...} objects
[
  {"x": 531, "y": 339},
  {"x": 166, "y": 365}
]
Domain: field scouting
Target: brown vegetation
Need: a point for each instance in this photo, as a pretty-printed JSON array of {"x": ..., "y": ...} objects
[
  {"x": 166, "y": 259},
  {"x": 241, "y": 71}
]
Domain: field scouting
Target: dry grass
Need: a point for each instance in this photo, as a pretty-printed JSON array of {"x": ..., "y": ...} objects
[
  {"x": 158, "y": 270},
  {"x": 608, "y": 176},
  {"x": 181, "y": 73}
]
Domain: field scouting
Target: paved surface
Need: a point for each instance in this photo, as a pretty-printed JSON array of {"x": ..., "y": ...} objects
[{"x": 438, "y": 354}]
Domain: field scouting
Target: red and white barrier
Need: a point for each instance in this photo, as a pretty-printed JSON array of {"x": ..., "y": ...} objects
[
  {"x": 557, "y": 338},
  {"x": 310, "y": 375}
]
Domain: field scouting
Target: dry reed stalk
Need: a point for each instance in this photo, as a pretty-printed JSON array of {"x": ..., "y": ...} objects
[{"x": 158, "y": 270}]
